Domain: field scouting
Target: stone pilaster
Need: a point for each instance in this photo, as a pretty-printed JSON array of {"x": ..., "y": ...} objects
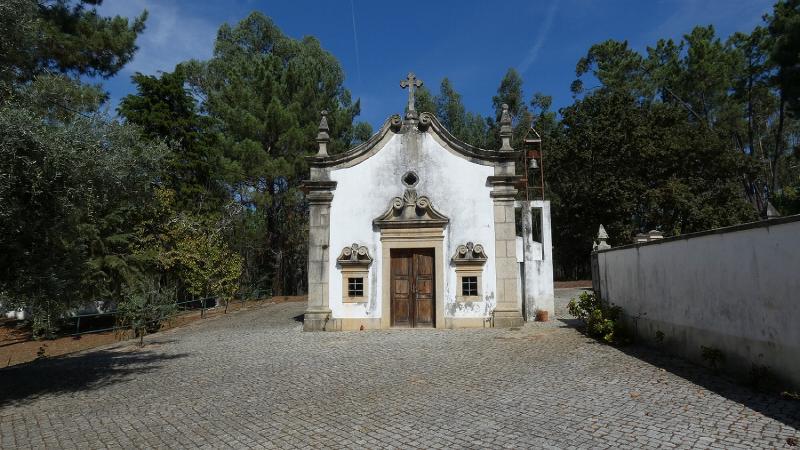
[
  {"x": 508, "y": 312},
  {"x": 318, "y": 312}
]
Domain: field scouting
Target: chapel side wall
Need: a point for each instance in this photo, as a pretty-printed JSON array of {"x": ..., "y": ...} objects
[
  {"x": 456, "y": 188},
  {"x": 538, "y": 258},
  {"x": 737, "y": 290}
]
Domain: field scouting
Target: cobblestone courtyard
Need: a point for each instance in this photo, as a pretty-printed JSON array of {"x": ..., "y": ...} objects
[{"x": 254, "y": 379}]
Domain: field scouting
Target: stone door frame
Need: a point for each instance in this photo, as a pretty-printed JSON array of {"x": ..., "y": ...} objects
[{"x": 407, "y": 238}]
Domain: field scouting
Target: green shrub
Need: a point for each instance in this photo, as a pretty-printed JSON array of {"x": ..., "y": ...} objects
[
  {"x": 145, "y": 307},
  {"x": 46, "y": 317},
  {"x": 602, "y": 322},
  {"x": 791, "y": 395}
]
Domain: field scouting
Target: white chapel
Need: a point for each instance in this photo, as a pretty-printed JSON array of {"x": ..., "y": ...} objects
[{"x": 414, "y": 228}]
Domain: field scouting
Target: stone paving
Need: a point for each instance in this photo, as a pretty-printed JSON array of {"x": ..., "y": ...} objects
[{"x": 253, "y": 379}]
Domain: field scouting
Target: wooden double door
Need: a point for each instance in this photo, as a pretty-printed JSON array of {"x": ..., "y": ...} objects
[{"x": 412, "y": 288}]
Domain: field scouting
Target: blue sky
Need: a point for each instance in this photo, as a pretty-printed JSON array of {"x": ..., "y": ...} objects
[{"x": 471, "y": 42}]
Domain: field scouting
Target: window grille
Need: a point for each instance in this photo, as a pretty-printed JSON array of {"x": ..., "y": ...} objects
[
  {"x": 355, "y": 287},
  {"x": 469, "y": 286}
]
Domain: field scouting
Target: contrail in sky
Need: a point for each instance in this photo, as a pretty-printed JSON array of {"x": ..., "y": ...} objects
[
  {"x": 533, "y": 53},
  {"x": 355, "y": 41}
]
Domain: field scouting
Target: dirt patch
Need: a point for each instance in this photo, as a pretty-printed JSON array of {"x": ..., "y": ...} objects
[
  {"x": 573, "y": 284},
  {"x": 12, "y": 332},
  {"x": 17, "y": 352},
  {"x": 17, "y": 345},
  {"x": 289, "y": 298}
]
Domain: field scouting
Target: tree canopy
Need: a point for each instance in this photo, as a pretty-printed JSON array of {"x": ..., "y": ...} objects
[
  {"x": 63, "y": 36},
  {"x": 685, "y": 136},
  {"x": 196, "y": 188},
  {"x": 262, "y": 93},
  {"x": 688, "y": 136}
]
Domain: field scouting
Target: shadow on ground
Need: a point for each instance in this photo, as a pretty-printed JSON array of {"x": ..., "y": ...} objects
[
  {"x": 768, "y": 403},
  {"x": 571, "y": 323},
  {"x": 26, "y": 382}
]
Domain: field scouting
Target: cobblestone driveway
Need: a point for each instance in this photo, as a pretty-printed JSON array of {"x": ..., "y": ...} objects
[{"x": 254, "y": 379}]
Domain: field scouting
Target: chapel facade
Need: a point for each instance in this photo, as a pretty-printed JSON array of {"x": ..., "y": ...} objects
[{"x": 414, "y": 228}]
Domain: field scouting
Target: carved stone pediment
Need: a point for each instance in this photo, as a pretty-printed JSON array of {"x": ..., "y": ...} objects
[
  {"x": 354, "y": 255},
  {"x": 411, "y": 211},
  {"x": 469, "y": 254}
]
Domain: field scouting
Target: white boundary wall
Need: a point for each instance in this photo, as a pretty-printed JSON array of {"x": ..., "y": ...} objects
[{"x": 736, "y": 289}]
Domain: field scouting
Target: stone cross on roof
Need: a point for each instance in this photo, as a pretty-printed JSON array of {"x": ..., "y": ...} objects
[{"x": 411, "y": 82}]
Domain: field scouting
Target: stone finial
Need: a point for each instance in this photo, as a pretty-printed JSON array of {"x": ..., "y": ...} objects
[
  {"x": 601, "y": 232},
  {"x": 602, "y": 237},
  {"x": 771, "y": 211},
  {"x": 505, "y": 130},
  {"x": 323, "y": 138},
  {"x": 411, "y": 82}
]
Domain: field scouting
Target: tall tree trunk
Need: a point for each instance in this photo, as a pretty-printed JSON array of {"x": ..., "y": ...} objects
[
  {"x": 753, "y": 190},
  {"x": 750, "y": 138},
  {"x": 778, "y": 146}
]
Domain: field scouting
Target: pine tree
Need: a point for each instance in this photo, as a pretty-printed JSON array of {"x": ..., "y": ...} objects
[
  {"x": 165, "y": 109},
  {"x": 450, "y": 110},
  {"x": 63, "y": 36},
  {"x": 264, "y": 91}
]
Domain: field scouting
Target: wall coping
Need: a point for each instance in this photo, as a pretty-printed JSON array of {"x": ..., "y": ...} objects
[{"x": 730, "y": 229}]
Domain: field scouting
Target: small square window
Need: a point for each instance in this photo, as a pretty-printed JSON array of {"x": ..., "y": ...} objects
[
  {"x": 469, "y": 286},
  {"x": 355, "y": 287}
]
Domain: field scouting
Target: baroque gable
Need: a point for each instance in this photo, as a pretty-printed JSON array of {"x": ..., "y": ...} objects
[
  {"x": 469, "y": 254},
  {"x": 411, "y": 211},
  {"x": 354, "y": 255}
]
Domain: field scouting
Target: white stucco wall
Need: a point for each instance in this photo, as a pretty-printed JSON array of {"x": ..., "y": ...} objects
[
  {"x": 538, "y": 260},
  {"x": 456, "y": 188},
  {"x": 736, "y": 290}
]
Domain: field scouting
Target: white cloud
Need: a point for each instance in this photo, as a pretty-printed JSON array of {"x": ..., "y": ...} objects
[
  {"x": 533, "y": 53},
  {"x": 355, "y": 41},
  {"x": 171, "y": 35}
]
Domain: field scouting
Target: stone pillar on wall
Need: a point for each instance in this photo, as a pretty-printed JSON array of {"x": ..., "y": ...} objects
[
  {"x": 598, "y": 245},
  {"x": 508, "y": 312},
  {"x": 318, "y": 312},
  {"x": 319, "y": 193}
]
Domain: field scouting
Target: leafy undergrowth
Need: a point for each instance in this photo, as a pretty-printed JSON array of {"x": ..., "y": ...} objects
[{"x": 602, "y": 322}]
